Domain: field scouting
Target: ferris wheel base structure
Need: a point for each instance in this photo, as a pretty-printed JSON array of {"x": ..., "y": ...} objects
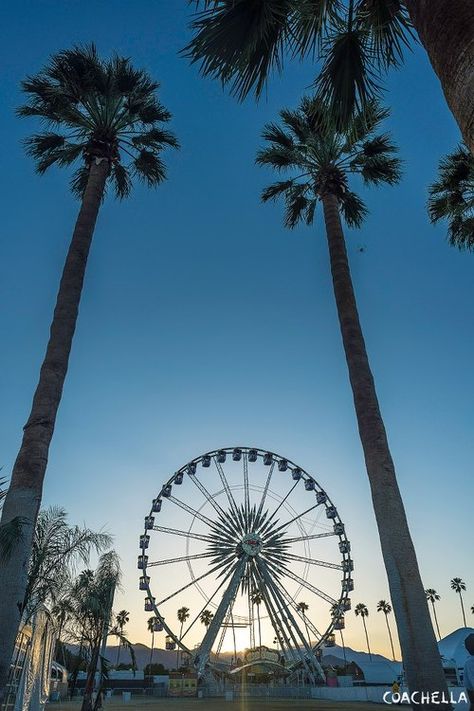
[{"x": 250, "y": 520}]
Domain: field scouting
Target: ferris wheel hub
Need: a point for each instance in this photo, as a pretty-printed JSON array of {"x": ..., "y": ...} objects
[{"x": 252, "y": 544}]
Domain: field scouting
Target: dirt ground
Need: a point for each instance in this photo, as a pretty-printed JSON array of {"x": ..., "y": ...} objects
[{"x": 221, "y": 705}]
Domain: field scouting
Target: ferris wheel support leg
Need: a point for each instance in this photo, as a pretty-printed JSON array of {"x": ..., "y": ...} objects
[{"x": 202, "y": 657}]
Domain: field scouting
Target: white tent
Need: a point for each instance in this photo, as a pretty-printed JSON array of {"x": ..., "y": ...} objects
[{"x": 452, "y": 646}]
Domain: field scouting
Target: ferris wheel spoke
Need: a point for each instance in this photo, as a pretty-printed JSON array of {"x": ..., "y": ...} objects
[
  {"x": 190, "y": 510},
  {"x": 295, "y": 518},
  {"x": 193, "y": 581},
  {"x": 307, "y": 622},
  {"x": 181, "y": 559},
  {"x": 245, "y": 462},
  {"x": 282, "y": 634},
  {"x": 310, "y": 537},
  {"x": 226, "y": 486},
  {"x": 312, "y": 561},
  {"x": 186, "y": 534},
  {"x": 210, "y": 499},
  {"x": 206, "y": 604},
  {"x": 281, "y": 504},
  {"x": 284, "y": 570},
  {"x": 265, "y": 490}
]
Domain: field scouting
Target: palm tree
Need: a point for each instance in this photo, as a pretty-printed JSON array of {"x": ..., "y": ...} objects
[
  {"x": 338, "y": 616},
  {"x": 303, "y": 607},
  {"x": 458, "y": 586},
  {"x": 121, "y": 620},
  {"x": 103, "y": 116},
  {"x": 206, "y": 618},
  {"x": 151, "y": 624},
  {"x": 183, "y": 615},
  {"x": 354, "y": 42},
  {"x": 386, "y": 608},
  {"x": 362, "y": 611},
  {"x": 322, "y": 160},
  {"x": 257, "y": 599},
  {"x": 432, "y": 596},
  {"x": 451, "y": 197}
]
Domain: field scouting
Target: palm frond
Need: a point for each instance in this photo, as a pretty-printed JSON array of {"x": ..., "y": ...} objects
[
  {"x": 273, "y": 133},
  {"x": 451, "y": 197},
  {"x": 122, "y": 180},
  {"x": 11, "y": 534},
  {"x": 278, "y": 157},
  {"x": 353, "y": 209},
  {"x": 296, "y": 205},
  {"x": 347, "y": 81},
  {"x": 276, "y": 190},
  {"x": 241, "y": 43},
  {"x": 149, "y": 168},
  {"x": 389, "y": 28},
  {"x": 379, "y": 169}
]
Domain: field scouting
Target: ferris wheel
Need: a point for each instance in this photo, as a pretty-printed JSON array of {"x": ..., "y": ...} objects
[{"x": 247, "y": 552}]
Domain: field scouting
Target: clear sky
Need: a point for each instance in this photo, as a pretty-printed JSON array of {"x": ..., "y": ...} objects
[{"x": 204, "y": 323}]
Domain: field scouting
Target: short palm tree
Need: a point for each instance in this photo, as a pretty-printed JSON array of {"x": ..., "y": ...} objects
[
  {"x": 206, "y": 618},
  {"x": 432, "y": 596},
  {"x": 318, "y": 162},
  {"x": 151, "y": 625},
  {"x": 183, "y": 615},
  {"x": 451, "y": 197},
  {"x": 362, "y": 611},
  {"x": 386, "y": 608},
  {"x": 303, "y": 607},
  {"x": 121, "y": 620},
  {"x": 105, "y": 118},
  {"x": 257, "y": 599},
  {"x": 458, "y": 586},
  {"x": 354, "y": 42}
]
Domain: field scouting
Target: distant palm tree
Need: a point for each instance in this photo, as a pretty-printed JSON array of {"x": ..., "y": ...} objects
[
  {"x": 303, "y": 607},
  {"x": 257, "y": 599},
  {"x": 105, "y": 117},
  {"x": 362, "y": 611},
  {"x": 458, "y": 586},
  {"x": 451, "y": 197},
  {"x": 183, "y": 615},
  {"x": 121, "y": 620},
  {"x": 432, "y": 596},
  {"x": 337, "y": 614},
  {"x": 151, "y": 623},
  {"x": 472, "y": 609},
  {"x": 206, "y": 618},
  {"x": 386, "y": 608}
]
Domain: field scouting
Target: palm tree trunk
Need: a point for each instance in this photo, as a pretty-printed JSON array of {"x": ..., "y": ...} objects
[
  {"x": 343, "y": 649},
  {"x": 419, "y": 648},
  {"x": 462, "y": 609},
  {"x": 24, "y": 495},
  {"x": 390, "y": 636},
  {"x": 367, "y": 638},
  {"x": 151, "y": 651},
  {"x": 89, "y": 688},
  {"x": 436, "y": 619},
  {"x": 446, "y": 30}
]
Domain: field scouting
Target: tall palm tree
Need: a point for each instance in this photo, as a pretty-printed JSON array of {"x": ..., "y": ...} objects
[
  {"x": 451, "y": 197},
  {"x": 257, "y": 599},
  {"x": 432, "y": 596},
  {"x": 206, "y": 618},
  {"x": 151, "y": 624},
  {"x": 103, "y": 116},
  {"x": 183, "y": 615},
  {"x": 121, "y": 620},
  {"x": 386, "y": 608},
  {"x": 319, "y": 161},
  {"x": 303, "y": 607},
  {"x": 458, "y": 586},
  {"x": 362, "y": 611},
  {"x": 355, "y": 42},
  {"x": 338, "y": 615}
]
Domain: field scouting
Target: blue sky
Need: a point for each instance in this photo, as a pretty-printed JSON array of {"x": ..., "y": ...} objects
[{"x": 205, "y": 323}]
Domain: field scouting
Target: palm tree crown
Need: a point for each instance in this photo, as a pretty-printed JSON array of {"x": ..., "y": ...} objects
[
  {"x": 361, "y": 609},
  {"x": 323, "y": 159},
  {"x": 151, "y": 622},
  {"x": 183, "y": 614},
  {"x": 242, "y": 42},
  {"x": 97, "y": 109},
  {"x": 385, "y": 607},
  {"x": 451, "y": 197},
  {"x": 432, "y": 595},
  {"x": 206, "y": 617},
  {"x": 122, "y": 618},
  {"x": 458, "y": 585}
]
